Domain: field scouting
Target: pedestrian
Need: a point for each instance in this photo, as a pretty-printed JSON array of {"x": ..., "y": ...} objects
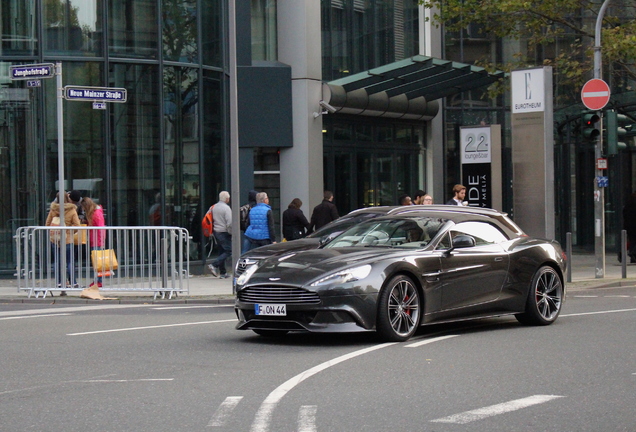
[
  {"x": 260, "y": 230},
  {"x": 404, "y": 200},
  {"x": 629, "y": 224},
  {"x": 427, "y": 199},
  {"x": 70, "y": 219},
  {"x": 324, "y": 212},
  {"x": 94, "y": 217},
  {"x": 244, "y": 213},
  {"x": 459, "y": 193},
  {"x": 418, "y": 197},
  {"x": 295, "y": 224},
  {"x": 222, "y": 231},
  {"x": 76, "y": 198}
]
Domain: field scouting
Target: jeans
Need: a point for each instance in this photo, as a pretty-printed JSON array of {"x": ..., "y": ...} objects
[
  {"x": 258, "y": 243},
  {"x": 70, "y": 265},
  {"x": 224, "y": 240}
]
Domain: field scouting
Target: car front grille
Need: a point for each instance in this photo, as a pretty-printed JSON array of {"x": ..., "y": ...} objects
[{"x": 277, "y": 294}]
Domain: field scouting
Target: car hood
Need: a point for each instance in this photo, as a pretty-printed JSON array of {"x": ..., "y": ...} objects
[
  {"x": 301, "y": 267},
  {"x": 277, "y": 249}
]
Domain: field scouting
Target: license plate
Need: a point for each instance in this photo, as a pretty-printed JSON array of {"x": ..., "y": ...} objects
[{"x": 270, "y": 309}]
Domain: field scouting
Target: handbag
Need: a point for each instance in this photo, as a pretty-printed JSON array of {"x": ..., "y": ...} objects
[
  {"x": 104, "y": 261},
  {"x": 80, "y": 236}
]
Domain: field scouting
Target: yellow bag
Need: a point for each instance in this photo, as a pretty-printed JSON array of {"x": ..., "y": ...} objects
[
  {"x": 104, "y": 260},
  {"x": 80, "y": 237}
]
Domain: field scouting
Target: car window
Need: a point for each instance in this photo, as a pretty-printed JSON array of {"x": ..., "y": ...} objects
[
  {"x": 405, "y": 232},
  {"x": 483, "y": 233},
  {"x": 342, "y": 224}
]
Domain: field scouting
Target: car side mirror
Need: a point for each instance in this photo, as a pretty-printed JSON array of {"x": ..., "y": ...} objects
[
  {"x": 463, "y": 241},
  {"x": 327, "y": 238}
]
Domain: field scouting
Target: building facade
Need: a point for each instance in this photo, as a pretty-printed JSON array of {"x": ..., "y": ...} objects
[{"x": 163, "y": 156}]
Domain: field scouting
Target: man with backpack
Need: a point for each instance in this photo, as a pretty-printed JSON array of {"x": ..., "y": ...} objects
[
  {"x": 222, "y": 222},
  {"x": 244, "y": 214}
]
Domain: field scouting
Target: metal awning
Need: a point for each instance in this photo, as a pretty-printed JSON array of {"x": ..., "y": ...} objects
[{"x": 405, "y": 89}]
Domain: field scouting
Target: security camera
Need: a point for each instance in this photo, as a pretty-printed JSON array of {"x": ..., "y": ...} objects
[{"x": 328, "y": 107}]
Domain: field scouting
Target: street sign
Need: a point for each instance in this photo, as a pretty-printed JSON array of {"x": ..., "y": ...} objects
[
  {"x": 34, "y": 83},
  {"x": 29, "y": 72},
  {"x": 595, "y": 94},
  {"x": 602, "y": 181},
  {"x": 601, "y": 163},
  {"x": 99, "y": 105},
  {"x": 105, "y": 94}
]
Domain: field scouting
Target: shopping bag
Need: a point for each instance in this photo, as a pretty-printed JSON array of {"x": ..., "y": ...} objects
[
  {"x": 80, "y": 237},
  {"x": 104, "y": 260}
]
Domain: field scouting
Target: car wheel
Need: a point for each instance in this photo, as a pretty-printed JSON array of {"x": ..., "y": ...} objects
[
  {"x": 398, "y": 309},
  {"x": 544, "y": 299},
  {"x": 271, "y": 333}
]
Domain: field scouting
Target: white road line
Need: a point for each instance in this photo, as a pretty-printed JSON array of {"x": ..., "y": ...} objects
[
  {"x": 192, "y": 307},
  {"x": 224, "y": 410},
  {"x": 70, "y": 309},
  {"x": 122, "y": 380},
  {"x": 149, "y": 327},
  {"x": 598, "y": 313},
  {"x": 34, "y": 316},
  {"x": 263, "y": 416},
  {"x": 617, "y": 296},
  {"x": 481, "y": 413},
  {"x": 307, "y": 418},
  {"x": 428, "y": 341},
  {"x": 585, "y": 296}
]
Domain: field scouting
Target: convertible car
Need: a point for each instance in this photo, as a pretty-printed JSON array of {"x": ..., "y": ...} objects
[{"x": 394, "y": 273}]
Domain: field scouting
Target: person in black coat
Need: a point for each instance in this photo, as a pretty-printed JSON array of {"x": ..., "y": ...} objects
[
  {"x": 295, "y": 224},
  {"x": 324, "y": 212}
]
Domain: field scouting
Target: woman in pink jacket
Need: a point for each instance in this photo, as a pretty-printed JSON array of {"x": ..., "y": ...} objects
[{"x": 95, "y": 217}]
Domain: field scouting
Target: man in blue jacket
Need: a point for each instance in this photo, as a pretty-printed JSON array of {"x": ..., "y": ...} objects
[{"x": 260, "y": 231}]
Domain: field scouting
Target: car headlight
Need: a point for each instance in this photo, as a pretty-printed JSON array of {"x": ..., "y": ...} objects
[
  {"x": 343, "y": 276},
  {"x": 245, "y": 276}
]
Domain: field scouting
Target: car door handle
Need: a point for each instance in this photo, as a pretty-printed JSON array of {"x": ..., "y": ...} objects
[
  {"x": 432, "y": 276},
  {"x": 498, "y": 259}
]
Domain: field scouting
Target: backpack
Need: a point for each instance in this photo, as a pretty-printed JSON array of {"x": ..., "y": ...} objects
[
  {"x": 244, "y": 216},
  {"x": 207, "y": 224}
]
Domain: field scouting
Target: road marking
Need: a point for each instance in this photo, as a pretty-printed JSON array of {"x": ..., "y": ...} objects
[
  {"x": 481, "y": 413},
  {"x": 263, "y": 416},
  {"x": 598, "y": 313},
  {"x": 149, "y": 327},
  {"x": 617, "y": 296},
  {"x": 193, "y": 306},
  {"x": 428, "y": 341},
  {"x": 35, "y": 316},
  {"x": 307, "y": 418},
  {"x": 122, "y": 380},
  {"x": 69, "y": 309},
  {"x": 585, "y": 296},
  {"x": 224, "y": 410}
]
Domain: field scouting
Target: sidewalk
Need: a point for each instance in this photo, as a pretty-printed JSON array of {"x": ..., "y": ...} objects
[{"x": 209, "y": 289}]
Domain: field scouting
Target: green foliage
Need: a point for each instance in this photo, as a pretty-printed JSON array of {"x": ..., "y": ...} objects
[{"x": 559, "y": 32}]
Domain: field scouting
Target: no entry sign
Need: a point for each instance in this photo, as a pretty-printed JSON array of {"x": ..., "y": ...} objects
[{"x": 595, "y": 94}]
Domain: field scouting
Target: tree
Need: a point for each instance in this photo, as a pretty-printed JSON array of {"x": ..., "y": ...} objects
[{"x": 559, "y": 33}]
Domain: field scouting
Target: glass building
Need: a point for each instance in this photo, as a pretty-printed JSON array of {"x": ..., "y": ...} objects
[{"x": 163, "y": 156}]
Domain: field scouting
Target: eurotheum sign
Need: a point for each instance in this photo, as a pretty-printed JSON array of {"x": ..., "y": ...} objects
[{"x": 528, "y": 93}]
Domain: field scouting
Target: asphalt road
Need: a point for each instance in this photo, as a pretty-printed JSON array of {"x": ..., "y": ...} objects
[{"x": 184, "y": 368}]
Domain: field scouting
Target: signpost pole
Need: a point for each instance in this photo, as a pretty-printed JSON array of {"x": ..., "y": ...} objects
[
  {"x": 60, "y": 170},
  {"x": 599, "y": 192}
]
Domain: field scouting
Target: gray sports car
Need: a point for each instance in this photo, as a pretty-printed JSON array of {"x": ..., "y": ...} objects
[{"x": 393, "y": 273}]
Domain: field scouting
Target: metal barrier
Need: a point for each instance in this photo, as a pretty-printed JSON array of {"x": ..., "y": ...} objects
[{"x": 149, "y": 259}]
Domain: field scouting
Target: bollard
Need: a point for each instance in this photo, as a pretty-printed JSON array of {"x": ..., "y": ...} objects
[
  {"x": 624, "y": 254},
  {"x": 568, "y": 252}
]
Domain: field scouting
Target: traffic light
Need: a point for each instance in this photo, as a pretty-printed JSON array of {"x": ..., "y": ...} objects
[
  {"x": 590, "y": 125},
  {"x": 618, "y": 126}
]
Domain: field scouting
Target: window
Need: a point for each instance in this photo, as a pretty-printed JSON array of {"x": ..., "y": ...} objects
[{"x": 482, "y": 232}]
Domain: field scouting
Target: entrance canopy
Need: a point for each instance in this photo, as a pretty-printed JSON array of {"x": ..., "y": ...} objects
[{"x": 405, "y": 89}]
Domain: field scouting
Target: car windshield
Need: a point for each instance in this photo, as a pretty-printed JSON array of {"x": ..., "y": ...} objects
[
  {"x": 411, "y": 232},
  {"x": 341, "y": 224}
]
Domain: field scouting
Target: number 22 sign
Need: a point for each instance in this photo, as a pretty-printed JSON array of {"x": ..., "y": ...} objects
[{"x": 475, "y": 145}]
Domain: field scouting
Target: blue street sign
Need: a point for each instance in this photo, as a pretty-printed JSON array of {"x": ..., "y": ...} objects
[
  {"x": 28, "y": 72},
  {"x": 99, "y": 105},
  {"x": 602, "y": 181},
  {"x": 102, "y": 94},
  {"x": 34, "y": 83}
]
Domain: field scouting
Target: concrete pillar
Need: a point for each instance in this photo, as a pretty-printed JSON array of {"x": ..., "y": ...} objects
[{"x": 299, "y": 45}]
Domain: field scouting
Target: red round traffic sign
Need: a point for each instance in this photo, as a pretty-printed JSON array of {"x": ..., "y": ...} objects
[{"x": 595, "y": 94}]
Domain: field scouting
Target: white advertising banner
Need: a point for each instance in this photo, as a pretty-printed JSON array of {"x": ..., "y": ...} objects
[{"x": 528, "y": 91}]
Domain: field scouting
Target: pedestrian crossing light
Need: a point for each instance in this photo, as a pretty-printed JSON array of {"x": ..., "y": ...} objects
[
  {"x": 590, "y": 125},
  {"x": 618, "y": 126}
]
